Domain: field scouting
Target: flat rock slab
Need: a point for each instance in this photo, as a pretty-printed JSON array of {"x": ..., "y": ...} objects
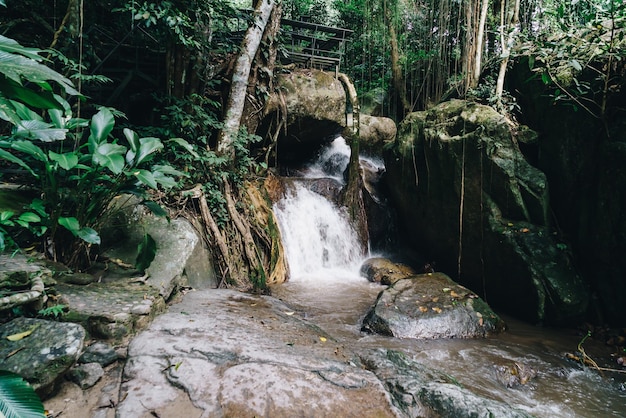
[
  {"x": 111, "y": 311},
  {"x": 431, "y": 306},
  {"x": 45, "y": 354},
  {"x": 224, "y": 353}
]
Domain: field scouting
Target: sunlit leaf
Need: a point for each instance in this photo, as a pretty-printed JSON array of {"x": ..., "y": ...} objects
[
  {"x": 21, "y": 335},
  {"x": 67, "y": 161}
]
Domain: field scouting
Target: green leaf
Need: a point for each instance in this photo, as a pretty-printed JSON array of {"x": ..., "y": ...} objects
[
  {"x": 42, "y": 131},
  {"x": 132, "y": 138},
  {"x": 29, "y": 217},
  {"x": 17, "y": 398},
  {"x": 7, "y": 110},
  {"x": 146, "y": 252},
  {"x": 11, "y": 45},
  {"x": 146, "y": 177},
  {"x": 18, "y": 68},
  {"x": 89, "y": 235},
  {"x": 71, "y": 224},
  {"x": 5, "y": 215},
  {"x": 5, "y": 155},
  {"x": 110, "y": 156},
  {"x": 147, "y": 147},
  {"x": 165, "y": 181},
  {"x": 186, "y": 145},
  {"x": 156, "y": 209},
  {"x": 67, "y": 161},
  {"x": 31, "y": 149},
  {"x": 39, "y": 100},
  {"x": 102, "y": 124}
]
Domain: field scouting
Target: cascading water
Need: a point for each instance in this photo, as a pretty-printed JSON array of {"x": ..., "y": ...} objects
[{"x": 319, "y": 241}]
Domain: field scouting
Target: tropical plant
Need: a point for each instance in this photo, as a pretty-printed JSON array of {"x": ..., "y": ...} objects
[
  {"x": 17, "y": 397},
  {"x": 75, "y": 166}
]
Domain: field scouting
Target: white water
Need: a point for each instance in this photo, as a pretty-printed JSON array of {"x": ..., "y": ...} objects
[{"x": 320, "y": 243}]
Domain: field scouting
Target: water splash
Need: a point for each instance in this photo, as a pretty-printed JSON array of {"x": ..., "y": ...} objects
[
  {"x": 318, "y": 240},
  {"x": 320, "y": 243}
]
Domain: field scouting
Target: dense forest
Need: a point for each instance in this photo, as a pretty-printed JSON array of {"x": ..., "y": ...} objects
[{"x": 110, "y": 96}]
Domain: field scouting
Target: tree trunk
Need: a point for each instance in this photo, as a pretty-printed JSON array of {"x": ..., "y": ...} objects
[
  {"x": 241, "y": 73},
  {"x": 479, "y": 43},
  {"x": 508, "y": 21},
  {"x": 399, "y": 85}
]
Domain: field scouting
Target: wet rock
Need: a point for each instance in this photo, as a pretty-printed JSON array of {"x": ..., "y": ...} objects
[
  {"x": 514, "y": 374},
  {"x": 43, "y": 356},
  {"x": 431, "y": 306},
  {"x": 374, "y": 132},
  {"x": 99, "y": 352},
  {"x": 86, "y": 375},
  {"x": 419, "y": 391},
  {"x": 464, "y": 158},
  {"x": 78, "y": 278},
  {"x": 314, "y": 103},
  {"x": 234, "y": 354},
  {"x": 384, "y": 271}
]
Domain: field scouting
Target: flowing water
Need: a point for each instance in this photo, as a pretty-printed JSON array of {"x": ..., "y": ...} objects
[{"x": 326, "y": 288}]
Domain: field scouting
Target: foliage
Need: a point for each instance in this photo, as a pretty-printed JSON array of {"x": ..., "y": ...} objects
[
  {"x": 74, "y": 165},
  {"x": 17, "y": 398},
  {"x": 53, "y": 311},
  {"x": 580, "y": 60}
]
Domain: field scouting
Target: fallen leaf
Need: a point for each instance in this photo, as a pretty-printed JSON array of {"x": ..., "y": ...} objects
[
  {"x": 253, "y": 304},
  {"x": 436, "y": 309},
  {"x": 454, "y": 294},
  {"x": 19, "y": 336},
  {"x": 480, "y": 322},
  {"x": 435, "y": 300},
  {"x": 510, "y": 224},
  {"x": 323, "y": 339},
  {"x": 446, "y": 289},
  {"x": 423, "y": 309},
  {"x": 525, "y": 229},
  {"x": 289, "y": 313}
]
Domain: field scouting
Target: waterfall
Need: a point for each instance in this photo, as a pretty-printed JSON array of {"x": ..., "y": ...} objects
[{"x": 319, "y": 241}]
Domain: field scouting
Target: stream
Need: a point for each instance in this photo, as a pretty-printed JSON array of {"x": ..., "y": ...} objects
[{"x": 326, "y": 289}]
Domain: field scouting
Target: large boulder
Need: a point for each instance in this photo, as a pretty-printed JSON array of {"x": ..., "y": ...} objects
[
  {"x": 467, "y": 198},
  {"x": 431, "y": 306},
  {"x": 583, "y": 157},
  {"x": 313, "y": 104},
  {"x": 40, "y": 351}
]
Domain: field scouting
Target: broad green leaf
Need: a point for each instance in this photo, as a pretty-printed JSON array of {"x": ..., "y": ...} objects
[
  {"x": 56, "y": 117},
  {"x": 7, "y": 110},
  {"x": 26, "y": 113},
  {"x": 42, "y": 131},
  {"x": 102, "y": 124},
  {"x": 29, "y": 148},
  {"x": 132, "y": 138},
  {"x": 5, "y": 155},
  {"x": 71, "y": 224},
  {"x": 67, "y": 160},
  {"x": 29, "y": 217},
  {"x": 146, "y": 252},
  {"x": 11, "y": 45},
  {"x": 110, "y": 156},
  {"x": 18, "y": 68},
  {"x": 89, "y": 235},
  {"x": 40, "y": 100},
  {"x": 145, "y": 177},
  {"x": 2, "y": 3},
  {"x": 6, "y": 215},
  {"x": 186, "y": 145},
  {"x": 163, "y": 180},
  {"x": 168, "y": 169},
  {"x": 147, "y": 147},
  {"x": 17, "y": 398},
  {"x": 38, "y": 206},
  {"x": 2, "y": 245}
]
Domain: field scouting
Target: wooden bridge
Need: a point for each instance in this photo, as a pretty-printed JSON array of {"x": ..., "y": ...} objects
[{"x": 313, "y": 45}]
